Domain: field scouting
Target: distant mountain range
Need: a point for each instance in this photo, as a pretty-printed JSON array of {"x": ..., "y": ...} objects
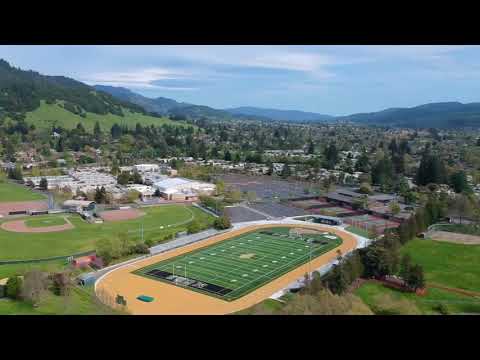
[
  {"x": 23, "y": 92},
  {"x": 165, "y": 106},
  {"x": 441, "y": 115},
  {"x": 280, "y": 115},
  {"x": 158, "y": 105}
]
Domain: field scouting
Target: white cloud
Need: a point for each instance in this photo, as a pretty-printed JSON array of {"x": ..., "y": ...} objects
[{"x": 142, "y": 78}]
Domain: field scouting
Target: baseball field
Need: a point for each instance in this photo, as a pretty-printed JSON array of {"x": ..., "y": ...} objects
[
  {"x": 226, "y": 273},
  {"x": 64, "y": 234}
]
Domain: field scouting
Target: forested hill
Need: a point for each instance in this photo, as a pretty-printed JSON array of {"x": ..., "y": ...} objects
[
  {"x": 434, "y": 115},
  {"x": 165, "y": 106},
  {"x": 280, "y": 115},
  {"x": 22, "y": 91},
  {"x": 159, "y": 105}
]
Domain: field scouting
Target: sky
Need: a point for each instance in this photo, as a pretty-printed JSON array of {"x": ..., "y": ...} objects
[{"x": 334, "y": 80}]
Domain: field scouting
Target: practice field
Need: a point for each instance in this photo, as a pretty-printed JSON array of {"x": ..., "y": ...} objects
[
  {"x": 237, "y": 266},
  {"x": 158, "y": 222},
  {"x": 12, "y": 193},
  {"x": 260, "y": 268}
]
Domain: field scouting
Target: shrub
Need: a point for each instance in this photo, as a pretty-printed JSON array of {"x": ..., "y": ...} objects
[
  {"x": 442, "y": 309},
  {"x": 14, "y": 287},
  {"x": 222, "y": 222},
  {"x": 193, "y": 227},
  {"x": 141, "y": 248}
]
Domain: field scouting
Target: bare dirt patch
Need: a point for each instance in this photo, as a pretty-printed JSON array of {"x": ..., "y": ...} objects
[
  {"x": 20, "y": 226},
  {"x": 455, "y": 238},
  {"x": 6, "y": 207},
  {"x": 121, "y": 215}
]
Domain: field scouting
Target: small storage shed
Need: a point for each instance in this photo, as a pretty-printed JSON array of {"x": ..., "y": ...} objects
[
  {"x": 84, "y": 261},
  {"x": 86, "y": 279}
]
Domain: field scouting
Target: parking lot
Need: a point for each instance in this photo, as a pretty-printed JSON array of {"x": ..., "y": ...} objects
[
  {"x": 241, "y": 214},
  {"x": 267, "y": 188}
]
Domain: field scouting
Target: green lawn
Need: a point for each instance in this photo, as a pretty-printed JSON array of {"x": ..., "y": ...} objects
[
  {"x": 46, "y": 115},
  {"x": 14, "y": 192},
  {"x": 7, "y": 270},
  {"x": 374, "y": 296},
  {"x": 157, "y": 223},
  {"x": 46, "y": 221},
  {"x": 80, "y": 302},
  {"x": 234, "y": 267},
  {"x": 358, "y": 231},
  {"x": 453, "y": 265}
]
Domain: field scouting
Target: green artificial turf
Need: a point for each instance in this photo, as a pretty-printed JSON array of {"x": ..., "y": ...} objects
[{"x": 243, "y": 263}]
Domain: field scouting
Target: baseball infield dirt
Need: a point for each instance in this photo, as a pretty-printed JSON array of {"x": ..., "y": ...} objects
[
  {"x": 121, "y": 215},
  {"x": 455, "y": 238},
  {"x": 174, "y": 300},
  {"x": 20, "y": 226},
  {"x": 6, "y": 207}
]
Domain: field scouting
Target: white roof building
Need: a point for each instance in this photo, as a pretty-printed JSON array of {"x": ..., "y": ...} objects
[
  {"x": 144, "y": 190},
  {"x": 180, "y": 185},
  {"x": 146, "y": 167}
]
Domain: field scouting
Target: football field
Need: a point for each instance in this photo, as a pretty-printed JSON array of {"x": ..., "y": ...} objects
[{"x": 235, "y": 267}]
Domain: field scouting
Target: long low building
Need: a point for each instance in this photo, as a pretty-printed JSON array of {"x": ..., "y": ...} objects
[{"x": 183, "y": 189}]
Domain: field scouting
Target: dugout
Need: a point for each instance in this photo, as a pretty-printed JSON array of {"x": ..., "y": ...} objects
[
  {"x": 38, "y": 212},
  {"x": 20, "y": 212}
]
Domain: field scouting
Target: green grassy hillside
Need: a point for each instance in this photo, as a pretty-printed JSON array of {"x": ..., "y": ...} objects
[
  {"x": 453, "y": 265},
  {"x": 48, "y": 115}
]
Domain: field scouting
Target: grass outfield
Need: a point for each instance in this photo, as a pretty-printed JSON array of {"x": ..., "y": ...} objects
[
  {"x": 157, "y": 223},
  {"x": 234, "y": 267},
  {"x": 453, "y": 265},
  {"x": 46, "y": 221},
  {"x": 384, "y": 301},
  {"x": 46, "y": 115},
  {"x": 13, "y": 192}
]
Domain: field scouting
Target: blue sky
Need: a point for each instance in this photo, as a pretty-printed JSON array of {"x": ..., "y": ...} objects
[{"x": 336, "y": 80}]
